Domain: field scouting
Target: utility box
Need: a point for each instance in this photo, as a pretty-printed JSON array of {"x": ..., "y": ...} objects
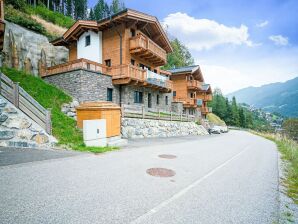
[
  {"x": 94, "y": 133},
  {"x": 101, "y": 110}
]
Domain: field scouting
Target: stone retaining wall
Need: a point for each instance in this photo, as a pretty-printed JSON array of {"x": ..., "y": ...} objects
[
  {"x": 18, "y": 130},
  {"x": 146, "y": 128}
]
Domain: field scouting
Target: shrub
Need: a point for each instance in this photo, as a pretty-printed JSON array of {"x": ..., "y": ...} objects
[{"x": 50, "y": 16}]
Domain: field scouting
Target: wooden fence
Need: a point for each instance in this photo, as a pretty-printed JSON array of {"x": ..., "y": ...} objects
[
  {"x": 22, "y": 100},
  {"x": 132, "y": 111}
]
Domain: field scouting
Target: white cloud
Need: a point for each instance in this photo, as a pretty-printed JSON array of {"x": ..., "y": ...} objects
[
  {"x": 262, "y": 24},
  {"x": 279, "y": 40},
  {"x": 202, "y": 34}
]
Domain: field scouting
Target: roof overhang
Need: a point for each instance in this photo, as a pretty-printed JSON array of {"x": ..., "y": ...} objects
[
  {"x": 195, "y": 71},
  {"x": 146, "y": 23}
]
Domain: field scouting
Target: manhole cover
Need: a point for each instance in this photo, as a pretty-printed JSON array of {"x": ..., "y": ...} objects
[
  {"x": 167, "y": 156},
  {"x": 161, "y": 172}
]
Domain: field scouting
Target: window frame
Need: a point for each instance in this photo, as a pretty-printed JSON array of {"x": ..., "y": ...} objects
[
  {"x": 87, "y": 43},
  {"x": 110, "y": 94}
]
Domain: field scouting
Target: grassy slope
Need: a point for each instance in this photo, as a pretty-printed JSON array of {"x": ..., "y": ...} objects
[
  {"x": 64, "y": 128},
  {"x": 289, "y": 151},
  {"x": 215, "y": 119}
]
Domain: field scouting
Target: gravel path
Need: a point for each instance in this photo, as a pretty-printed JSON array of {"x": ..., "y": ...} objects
[{"x": 229, "y": 178}]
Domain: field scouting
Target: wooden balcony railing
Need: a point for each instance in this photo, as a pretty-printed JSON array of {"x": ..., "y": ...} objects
[
  {"x": 145, "y": 47},
  {"x": 186, "y": 101},
  {"x": 73, "y": 65},
  {"x": 204, "y": 97},
  {"x": 194, "y": 84},
  {"x": 127, "y": 71}
]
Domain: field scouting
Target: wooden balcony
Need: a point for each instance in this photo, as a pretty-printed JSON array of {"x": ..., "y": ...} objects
[
  {"x": 194, "y": 85},
  {"x": 187, "y": 102},
  {"x": 146, "y": 49},
  {"x": 129, "y": 74},
  {"x": 204, "y": 97},
  {"x": 74, "y": 65}
]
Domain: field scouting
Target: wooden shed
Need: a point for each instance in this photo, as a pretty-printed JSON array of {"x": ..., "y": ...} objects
[{"x": 101, "y": 110}]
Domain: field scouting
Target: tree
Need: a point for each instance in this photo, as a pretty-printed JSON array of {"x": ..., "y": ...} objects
[
  {"x": 69, "y": 7},
  {"x": 179, "y": 57},
  {"x": 80, "y": 9},
  {"x": 242, "y": 118},
  {"x": 290, "y": 127},
  {"x": 99, "y": 10},
  {"x": 235, "y": 114},
  {"x": 116, "y": 6},
  {"x": 17, "y": 4},
  {"x": 91, "y": 15}
]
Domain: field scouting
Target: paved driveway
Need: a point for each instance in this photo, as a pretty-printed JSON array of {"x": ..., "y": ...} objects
[{"x": 230, "y": 178}]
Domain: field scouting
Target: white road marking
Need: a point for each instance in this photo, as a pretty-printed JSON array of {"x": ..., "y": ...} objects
[{"x": 185, "y": 190}]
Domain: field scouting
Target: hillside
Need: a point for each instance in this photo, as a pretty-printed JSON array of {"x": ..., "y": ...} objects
[{"x": 275, "y": 97}]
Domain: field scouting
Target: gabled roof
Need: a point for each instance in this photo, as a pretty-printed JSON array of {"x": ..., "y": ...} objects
[
  {"x": 146, "y": 23},
  {"x": 194, "y": 70}
]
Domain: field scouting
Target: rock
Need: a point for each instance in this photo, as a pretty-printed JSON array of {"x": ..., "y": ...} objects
[
  {"x": 17, "y": 123},
  {"x": 2, "y": 103},
  {"x": 40, "y": 138},
  {"x": 6, "y": 135},
  {"x": 10, "y": 110},
  {"x": 3, "y": 118},
  {"x": 25, "y": 134},
  {"x": 64, "y": 110},
  {"x": 71, "y": 114},
  {"x": 74, "y": 104}
]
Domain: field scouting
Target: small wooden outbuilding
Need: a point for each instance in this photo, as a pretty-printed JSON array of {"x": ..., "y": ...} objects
[{"x": 109, "y": 111}]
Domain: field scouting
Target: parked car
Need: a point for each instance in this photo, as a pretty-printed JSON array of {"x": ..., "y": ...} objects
[{"x": 215, "y": 130}]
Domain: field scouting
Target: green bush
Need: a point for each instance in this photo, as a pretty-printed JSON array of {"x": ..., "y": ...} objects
[
  {"x": 17, "y": 4},
  {"x": 50, "y": 16}
]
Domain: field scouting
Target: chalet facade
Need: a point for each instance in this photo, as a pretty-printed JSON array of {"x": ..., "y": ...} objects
[
  {"x": 190, "y": 89},
  {"x": 116, "y": 59}
]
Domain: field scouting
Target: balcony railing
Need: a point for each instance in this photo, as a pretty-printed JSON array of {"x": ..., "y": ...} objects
[
  {"x": 73, "y": 65},
  {"x": 146, "y": 48},
  {"x": 187, "y": 101},
  {"x": 159, "y": 80},
  {"x": 194, "y": 84},
  {"x": 204, "y": 97},
  {"x": 127, "y": 71}
]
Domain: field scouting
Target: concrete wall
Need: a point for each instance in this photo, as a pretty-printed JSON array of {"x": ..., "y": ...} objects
[
  {"x": 127, "y": 95},
  {"x": 92, "y": 52},
  {"x": 146, "y": 128},
  {"x": 85, "y": 85}
]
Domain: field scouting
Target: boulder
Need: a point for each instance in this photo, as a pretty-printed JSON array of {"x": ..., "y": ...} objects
[
  {"x": 6, "y": 135},
  {"x": 17, "y": 123},
  {"x": 2, "y": 103},
  {"x": 10, "y": 110},
  {"x": 3, "y": 118},
  {"x": 40, "y": 138}
]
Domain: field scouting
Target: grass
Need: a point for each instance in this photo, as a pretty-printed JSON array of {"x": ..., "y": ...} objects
[
  {"x": 51, "y": 16},
  {"x": 215, "y": 119},
  {"x": 49, "y": 96},
  {"x": 289, "y": 151}
]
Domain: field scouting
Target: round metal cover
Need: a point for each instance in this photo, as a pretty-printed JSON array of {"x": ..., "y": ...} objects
[
  {"x": 167, "y": 156},
  {"x": 161, "y": 172}
]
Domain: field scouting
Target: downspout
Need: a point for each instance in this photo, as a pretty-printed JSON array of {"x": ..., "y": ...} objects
[{"x": 120, "y": 39}]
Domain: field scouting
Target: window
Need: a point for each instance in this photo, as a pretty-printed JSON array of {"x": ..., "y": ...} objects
[
  {"x": 132, "y": 32},
  {"x": 109, "y": 94},
  {"x": 88, "y": 66},
  {"x": 157, "y": 99},
  {"x": 138, "y": 97},
  {"x": 155, "y": 70},
  {"x": 174, "y": 93},
  {"x": 132, "y": 61},
  {"x": 167, "y": 100},
  {"x": 192, "y": 95},
  {"x": 87, "y": 40},
  {"x": 108, "y": 62}
]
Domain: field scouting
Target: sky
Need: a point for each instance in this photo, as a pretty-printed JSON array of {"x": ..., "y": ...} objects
[{"x": 237, "y": 43}]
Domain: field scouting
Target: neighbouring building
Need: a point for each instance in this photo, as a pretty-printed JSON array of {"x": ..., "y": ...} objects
[
  {"x": 116, "y": 59},
  {"x": 190, "y": 89}
]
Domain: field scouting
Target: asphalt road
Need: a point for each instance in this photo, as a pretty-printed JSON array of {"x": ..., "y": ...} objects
[{"x": 230, "y": 178}]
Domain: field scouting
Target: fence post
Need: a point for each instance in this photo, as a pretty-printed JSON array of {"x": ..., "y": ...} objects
[
  {"x": 181, "y": 116},
  {"x": 122, "y": 110},
  {"x": 49, "y": 121},
  {"x": 171, "y": 116},
  {"x": 158, "y": 114},
  {"x": 15, "y": 93},
  {"x": 143, "y": 112}
]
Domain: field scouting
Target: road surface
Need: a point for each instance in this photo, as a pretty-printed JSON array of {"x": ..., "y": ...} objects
[{"x": 228, "y": 178}]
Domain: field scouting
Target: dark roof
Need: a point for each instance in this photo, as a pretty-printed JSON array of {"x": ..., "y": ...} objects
[
  {"x": 205, "y": 86},
  {"x": 185, "y": 69}
]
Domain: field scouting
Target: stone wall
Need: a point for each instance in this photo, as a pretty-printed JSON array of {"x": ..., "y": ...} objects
[
  {"x": 127, "y": 95},
  {"x": 27, "y": 50},
  {"x": 145, "y": 128},
  {"x": 18, "y": 130},
  {"x": 85, "y": 85}
]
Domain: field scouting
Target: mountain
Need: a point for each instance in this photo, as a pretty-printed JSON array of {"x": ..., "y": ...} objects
[{"x": 275, "y": 97}]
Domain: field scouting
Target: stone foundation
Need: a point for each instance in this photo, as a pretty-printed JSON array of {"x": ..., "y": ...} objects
[{"x": 146, "y": 128}]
